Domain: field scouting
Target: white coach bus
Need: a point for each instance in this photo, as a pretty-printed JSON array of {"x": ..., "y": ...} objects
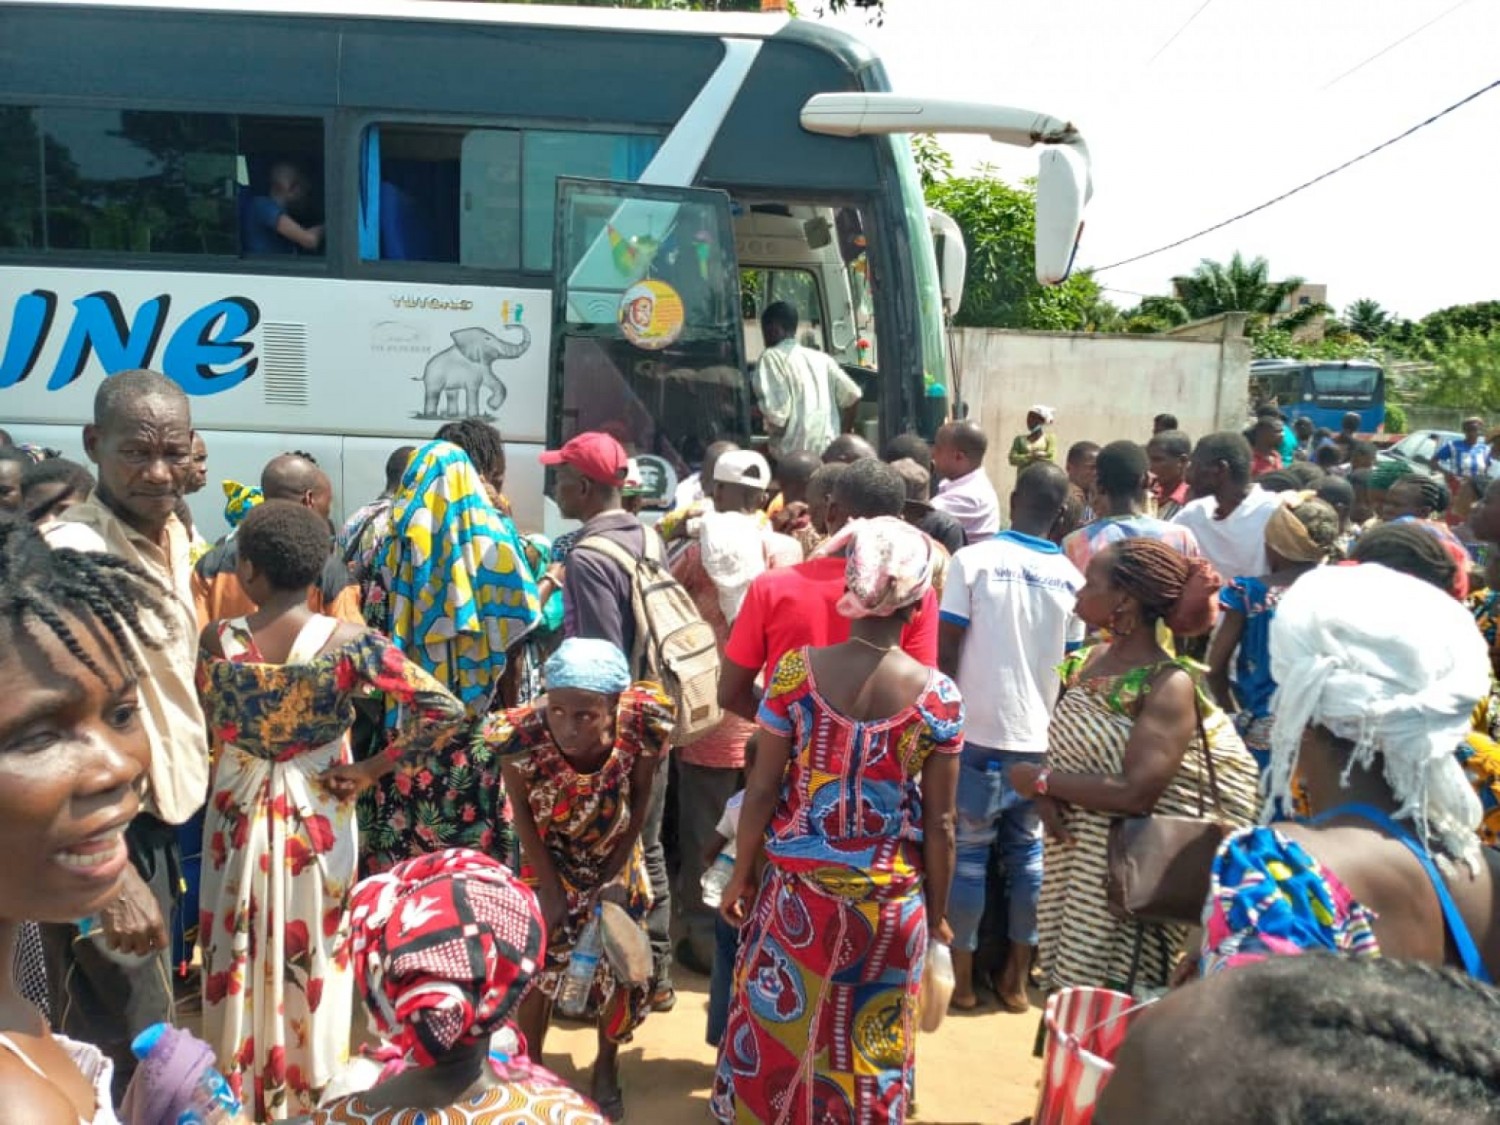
[{"x": 338, "y": 225}]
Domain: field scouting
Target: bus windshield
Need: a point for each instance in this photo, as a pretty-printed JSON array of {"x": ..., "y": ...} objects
[{"x": 1354, "y": 385}]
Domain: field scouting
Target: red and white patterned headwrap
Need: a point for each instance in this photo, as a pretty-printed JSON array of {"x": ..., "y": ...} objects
[
  {"x": 445, "y": 947},
  {"x": 889, "y": 565}
]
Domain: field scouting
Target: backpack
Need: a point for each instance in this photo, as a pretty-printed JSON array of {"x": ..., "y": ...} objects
[{"x": 673, "y": 644}]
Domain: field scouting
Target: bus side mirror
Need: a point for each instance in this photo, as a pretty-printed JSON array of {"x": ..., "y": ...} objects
[
  {"x": 1062, "y": 189},
  {"x": 952, "y": 258}
]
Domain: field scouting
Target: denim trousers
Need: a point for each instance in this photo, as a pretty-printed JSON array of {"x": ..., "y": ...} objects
[{"x": 990, "y": 812}]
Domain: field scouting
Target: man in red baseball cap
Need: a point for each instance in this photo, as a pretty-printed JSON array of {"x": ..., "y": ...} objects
[
  {"x": 595, "y": 456},
  {"x": 591, "y": 471}
]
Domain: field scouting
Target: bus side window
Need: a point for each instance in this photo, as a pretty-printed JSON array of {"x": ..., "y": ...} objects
[
  {"x": 480, "y": 198},
  {"x": 279, "y": 187},
  {"x": 124, "y": 180},
  {"x": 157, "y": 182}
]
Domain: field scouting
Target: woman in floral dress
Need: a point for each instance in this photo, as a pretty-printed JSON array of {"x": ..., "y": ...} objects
[
  {"x": 580, "y": 762},
  {"x": 278, "y": 688}
]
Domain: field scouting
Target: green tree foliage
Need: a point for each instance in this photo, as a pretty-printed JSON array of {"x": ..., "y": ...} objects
[
  {"x": 1238, "y": 286},
  {"x": 1001, "y": 291},
  {"x": 1367, "y": 319},
  {"x": 1465, "y": 373},
  {"x": 934, "y": 162},
  {"x": 1274, "y": 341}
]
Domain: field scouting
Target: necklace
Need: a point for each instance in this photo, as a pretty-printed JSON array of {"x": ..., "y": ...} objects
[{"x": 873, "y": 645}]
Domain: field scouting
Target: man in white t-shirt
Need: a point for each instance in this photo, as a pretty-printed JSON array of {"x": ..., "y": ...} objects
[
  {"x": 803, "y": 393},
  {"x": 1228, "y": 514},
  {"x": 1005, "y": 619}
]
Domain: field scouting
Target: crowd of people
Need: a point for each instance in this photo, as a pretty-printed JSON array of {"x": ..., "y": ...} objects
[{"x": 438, "y": 762}]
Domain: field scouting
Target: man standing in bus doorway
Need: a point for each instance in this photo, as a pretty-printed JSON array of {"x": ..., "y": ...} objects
[
  {"x": 805, "y": 397},
  {"x": 141, "y": 443},
  {"x": 270, "y": 227}
]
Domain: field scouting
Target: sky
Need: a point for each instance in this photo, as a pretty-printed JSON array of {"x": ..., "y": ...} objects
[{"x": 1249, "y": 99}]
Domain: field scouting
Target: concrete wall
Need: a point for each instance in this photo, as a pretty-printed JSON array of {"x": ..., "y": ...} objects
[{"x": 1103, "y": 387}]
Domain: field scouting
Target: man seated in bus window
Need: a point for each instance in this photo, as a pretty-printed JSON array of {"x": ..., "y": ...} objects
[
  {"x": 270, "y": 227},
  {"x": 806, "y": 398}
]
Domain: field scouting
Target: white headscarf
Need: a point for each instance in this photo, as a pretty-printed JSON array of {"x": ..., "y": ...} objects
[
  {"x": 1045, "y": 413},
  {"x": 1395, "y": 666}
]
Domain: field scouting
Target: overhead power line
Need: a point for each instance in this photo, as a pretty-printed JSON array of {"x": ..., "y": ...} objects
[
  {"x": 1304, "y": 186},
  {"x": 1389, "y": 47},
  {"x": 1173, "y": 37}
]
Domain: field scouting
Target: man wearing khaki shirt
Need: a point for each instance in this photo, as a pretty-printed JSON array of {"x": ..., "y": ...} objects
[{"x": 141, "y": 444}]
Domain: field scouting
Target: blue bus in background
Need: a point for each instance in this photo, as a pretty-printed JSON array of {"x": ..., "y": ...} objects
[{"x": 1322, "y": 389}]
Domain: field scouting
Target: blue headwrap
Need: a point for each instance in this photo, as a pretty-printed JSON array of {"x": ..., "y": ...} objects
[{"x": 588, "y": 664}]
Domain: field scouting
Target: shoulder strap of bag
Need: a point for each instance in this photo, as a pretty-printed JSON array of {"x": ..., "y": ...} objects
[
  {"x": 1208, "y": 757},
  {"x": 1463, "y": 940},
  {"x": 622, "y": 558},
  {"x": 1203, "y": 748}
]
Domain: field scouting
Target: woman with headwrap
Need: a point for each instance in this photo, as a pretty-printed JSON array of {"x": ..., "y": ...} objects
[
  {"x": 1037, "y": 443},
  {"x": 454, "y": 593},
  {"x": 1299, "y": 536},
  {"x": 1379, "y": 676},
  {"x": 1129, "y": 737},
  {"x": 445, "y": 948},
  {"x": 580, "y": 763},
  {"x": 851, "y": 803}
]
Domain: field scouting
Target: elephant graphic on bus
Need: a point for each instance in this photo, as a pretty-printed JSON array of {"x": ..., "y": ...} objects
[{"x": 453, "y": 378}]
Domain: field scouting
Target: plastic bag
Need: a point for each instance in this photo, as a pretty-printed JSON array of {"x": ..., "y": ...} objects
[{"x": 937, "y": 986}]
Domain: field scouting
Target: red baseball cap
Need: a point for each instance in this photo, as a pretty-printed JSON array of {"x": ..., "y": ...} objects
[{"x": 596, "y": 455}]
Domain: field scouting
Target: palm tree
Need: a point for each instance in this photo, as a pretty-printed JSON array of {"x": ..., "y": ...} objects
[
  {"x": 1240, "y": 286},
  {"x": 1366, "y": 319}
]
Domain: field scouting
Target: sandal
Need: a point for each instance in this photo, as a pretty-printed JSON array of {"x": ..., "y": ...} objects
[{"x": 613, "y": 1109}]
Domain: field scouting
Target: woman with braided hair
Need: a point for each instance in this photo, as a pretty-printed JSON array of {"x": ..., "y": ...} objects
[
  {"x": 1129, "y": 737},
  {"x": 1420, "y": 501},
  {"x": 1380, "y": 674},
  {"x": 1317, "y": 1038},
  {"x": 73, "y": 755}
]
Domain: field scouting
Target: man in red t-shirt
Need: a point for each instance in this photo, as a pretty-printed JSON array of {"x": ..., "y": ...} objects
[{"x": 796, "y": 605}]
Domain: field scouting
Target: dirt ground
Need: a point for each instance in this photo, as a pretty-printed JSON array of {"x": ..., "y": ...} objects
[{"x": 976, "y": 1069}]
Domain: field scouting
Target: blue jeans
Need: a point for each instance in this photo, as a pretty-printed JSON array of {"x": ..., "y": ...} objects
[
  {"x": 721, "y": 983},
  {"x": 987, "y": 803}
]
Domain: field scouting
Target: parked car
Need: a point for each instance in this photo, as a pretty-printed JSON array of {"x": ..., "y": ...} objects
[{"x": 1418, "y": 448}]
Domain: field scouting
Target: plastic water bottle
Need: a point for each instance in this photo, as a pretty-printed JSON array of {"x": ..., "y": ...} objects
[
  {"x": 715, "y": 879},
  {"x": 93, "y": 929},
  {"x": 578, "y": 978},
  {"x": 210, "y": 1101}
]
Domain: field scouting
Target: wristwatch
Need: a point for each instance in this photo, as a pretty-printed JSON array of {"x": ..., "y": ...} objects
[{"x": 1040, "y": 785}]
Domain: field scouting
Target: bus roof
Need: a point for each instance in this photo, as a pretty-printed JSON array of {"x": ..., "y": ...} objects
[
  {"x": 1270, "y": 364},
  {"x": 750, "y": 25}
]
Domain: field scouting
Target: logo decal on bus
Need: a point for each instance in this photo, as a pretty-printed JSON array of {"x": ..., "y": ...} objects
[{"x": 206, "y": 354}]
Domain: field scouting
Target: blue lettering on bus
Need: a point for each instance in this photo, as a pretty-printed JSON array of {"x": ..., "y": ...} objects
[
  {"x": 29, "y": 325},
  {"x": 99, "y": 327},
  {"x": 205, "y": 355},
  {"x": 210, "y": 339}
]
